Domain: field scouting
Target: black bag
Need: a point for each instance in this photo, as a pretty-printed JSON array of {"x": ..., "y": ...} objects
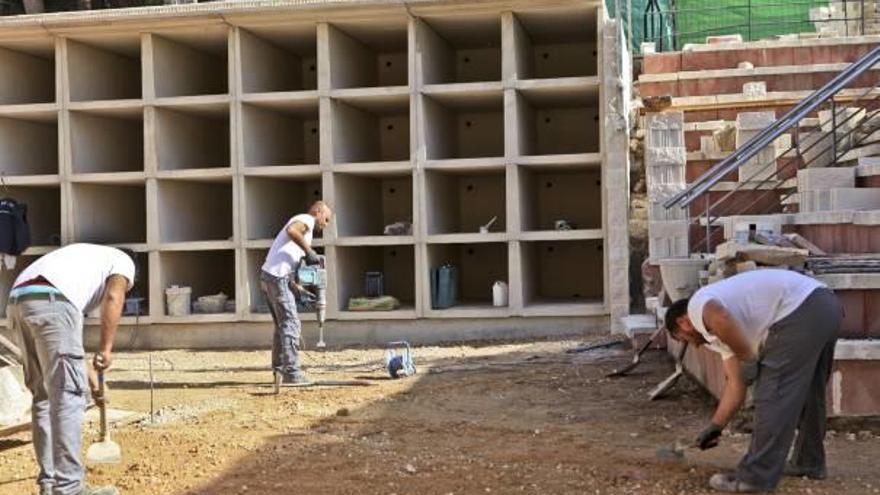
[{"x": 15, "y": 233}]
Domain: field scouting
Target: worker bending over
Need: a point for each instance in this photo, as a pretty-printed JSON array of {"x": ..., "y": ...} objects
[
  {"x": 292, "y": 245},
  {"x": 46, "y": 306},
  {"x": 778, "y": 329}
]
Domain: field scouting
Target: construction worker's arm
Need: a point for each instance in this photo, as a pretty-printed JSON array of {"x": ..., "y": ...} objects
[
  {"x": 111, "y": 312},
  {"x": 733, "y": 396},
  {"x": 728, "y": 329},
  {"x": 297, "y": 231}
]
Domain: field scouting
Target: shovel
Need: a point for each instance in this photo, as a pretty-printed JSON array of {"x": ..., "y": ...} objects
[
  {"x": 666, "y": 385},
  {"x": 637, "y": 358},
  {"x": 106, "y": 451}
]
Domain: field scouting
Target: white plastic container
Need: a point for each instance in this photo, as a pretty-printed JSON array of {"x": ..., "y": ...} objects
[
  {"x": 681, "y": 276},
  {"x": 499, "y": 294},
  {"x": 213, "y": 303},
  {"x": 177, "y": 299}
]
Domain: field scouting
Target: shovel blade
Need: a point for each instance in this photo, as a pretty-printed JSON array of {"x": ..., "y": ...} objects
[
  {"x": 665, "y": 386},
  {"x": 106, "y": 452}
]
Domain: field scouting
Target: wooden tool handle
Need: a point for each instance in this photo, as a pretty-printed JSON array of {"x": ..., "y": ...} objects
[{"x": 102, "y": 408}]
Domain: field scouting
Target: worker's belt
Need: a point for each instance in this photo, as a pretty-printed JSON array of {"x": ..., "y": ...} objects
[{"x": 36, "y": 293}]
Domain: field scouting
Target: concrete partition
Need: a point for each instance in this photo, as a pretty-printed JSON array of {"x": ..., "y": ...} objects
[
  {"x": 548, "y": 45},
  {"x": 7, "y": 278},
  {"x": 548, "y": 194},
  {"x": 29, "y": 146},
  {"x": 107, "y": 141},
  {"x": 27, "y": 73},
  {"x": 275, "y": 59},
  {"x": 396, "y": 263},
  {"x": 190, "y": 62},
  {"x": 192, "y": 137},
  {"x": 191, "y": 210},
  {"x": 478, "y": 265},
  {"x": 104, "y": 68},
  {"x": 562, "y": 272},
  {"x": 460, "y": 49},
  {"x": 110, "y": 213},
  {"x": 44, "y": 211},
  {"x": 271, "y": 201},
  {"x": 281, "y": 133},
  {"x": 462, "y": 202},
  {"x": 464, "y": 124},
  {"x": 558, "y": 120},
  {"x": 368, "y": 54},
  {"x": 365, "y": 204},
  {"x": 375, "y": 128},
  {"x": 206, "y": 272}
]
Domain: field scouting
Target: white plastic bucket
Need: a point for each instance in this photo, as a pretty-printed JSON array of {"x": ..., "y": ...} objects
[
  {"x": 681, "y": 276},
  {"x": 178, "y": 300},
  {"x": 499, "y": 294}
]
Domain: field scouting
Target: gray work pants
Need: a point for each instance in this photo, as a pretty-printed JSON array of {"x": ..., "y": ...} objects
[
  {"x": 286, "y": 339},
  {"x": 51, "y": 333},
  {"x": 795, "y": 364}
]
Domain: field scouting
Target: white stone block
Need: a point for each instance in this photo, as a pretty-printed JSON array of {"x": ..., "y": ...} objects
[
  {"x": 667, "y": 239},
  {"x": 754, "y": 121},
  {"x": 665, "y": 175},
  {"x": 674, "y": 155},
  {"x": 665, "y": 130},
  {"x": 658, "y": 213},
  {"x": 755, "y": 89},
  {"x": 839, "y": 199},
  {"x": 814, "y": 179}
]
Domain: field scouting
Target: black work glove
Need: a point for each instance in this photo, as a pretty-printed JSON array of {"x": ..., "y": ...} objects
[
  {"x": 709, "y": 437},
  {"x": 312, "y": 258},
  {"x": 748, "y": 371}
]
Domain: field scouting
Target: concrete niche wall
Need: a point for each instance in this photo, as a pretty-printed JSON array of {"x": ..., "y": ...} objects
[
  {"x": 562, "y": 272},
  {"x": 367, "y": 203},
  {"x": 107, "y": 141},
  {"x": 460, "y": 49},
  {"x": 28, "y": 73},
  {"x": 270, "y": 202},
  {"x": 277, "y": 134},
  {"x": 395, "y": 262}
]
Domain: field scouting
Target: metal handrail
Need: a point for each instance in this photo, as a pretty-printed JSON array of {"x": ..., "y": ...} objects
[{"x": 768, "y": 135}]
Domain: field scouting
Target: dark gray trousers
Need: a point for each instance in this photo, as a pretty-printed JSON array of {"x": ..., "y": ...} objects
[
  {"x": 288, "y": 329},
  {"x": 795, "y": 364}
]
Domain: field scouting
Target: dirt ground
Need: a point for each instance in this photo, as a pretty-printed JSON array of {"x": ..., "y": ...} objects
[{"x": 499, "y": 418}]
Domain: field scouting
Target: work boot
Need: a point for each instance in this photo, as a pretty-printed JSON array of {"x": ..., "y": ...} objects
[
  {"x": 101, "y": 490},
  {"x": 802, "y": 472},
  {"x": 727, "y": 482}
]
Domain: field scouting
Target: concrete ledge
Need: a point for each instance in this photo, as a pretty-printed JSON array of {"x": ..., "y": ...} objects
[
  {"x": 857, "y": 350},
  {"x": 251, "y": 335},
  {"x": 824, "y": 217},
  {"x": 850, "y": 281}
]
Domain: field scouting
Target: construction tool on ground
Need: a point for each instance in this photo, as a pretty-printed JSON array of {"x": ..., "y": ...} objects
[
  {"x": 675, "y": 452},
  {"x": 106, "y": 451},
  {"x": 594, "y": 346},
  {"x": 402, "y": 363},
  {"x": 637, "y": 358},
  {"x": 666, "y": 385},
  {"x": 312, "y": 282}
]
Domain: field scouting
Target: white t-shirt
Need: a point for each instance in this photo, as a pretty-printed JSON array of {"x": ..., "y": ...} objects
[
  {"x": 284, "y": 255},
  {"x": 80, "y": 272},
  {"x": 758, "y": 299}
]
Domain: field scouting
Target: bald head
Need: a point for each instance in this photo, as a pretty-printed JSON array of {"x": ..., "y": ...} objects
[{"x": 322, "y": 213}]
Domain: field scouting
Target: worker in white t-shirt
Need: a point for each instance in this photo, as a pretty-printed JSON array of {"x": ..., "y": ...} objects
[
  {"x": 46, "y": 307},
  {"x": 776, "y": 329},
  {"x": 292, "y": 245}
]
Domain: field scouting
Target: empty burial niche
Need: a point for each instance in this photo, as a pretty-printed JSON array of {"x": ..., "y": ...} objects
[
  {"x": 366, "y": 204},
  {"x": 460, "y": 49},
  {"x": 464, "y": 125},
  {"x": 188, "y": 139},
  {"x": 27, "y": 73},
  {"x": 190, "y": 63},
  {"x": 272, "y": 201},
  {"x": 104, "y": 68},
  {"x": 43, "y": 211},
  {"x": 463, "y": 203},
  {"x": 141, "y": 289},
  {"x": 557, "y": 199},
  {"x": 109, "y": 214},
  {"x": 281, "y": 134},
  {"x": 254, "y": 259},
  {"x": 111, "y": 141},
  {"x": 205, "y": 272},
  {"x": 29, "y": 146},
  {"x": 368, "y": 54},
  {"x": 556, "y": 44},
  {"x": 567, "y": 272},
  {"x": 371, "y": 130},
  {"x": 478, "y": 267},
  {"x": 279, "y": 59},
  {"x": 552, "y": 124},
  {"x": 395, "y": 263},
  {"x": 195, "y": 210}
]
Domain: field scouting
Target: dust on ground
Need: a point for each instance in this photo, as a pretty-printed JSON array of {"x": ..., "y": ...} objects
[{"x": 493, "y": 418}]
